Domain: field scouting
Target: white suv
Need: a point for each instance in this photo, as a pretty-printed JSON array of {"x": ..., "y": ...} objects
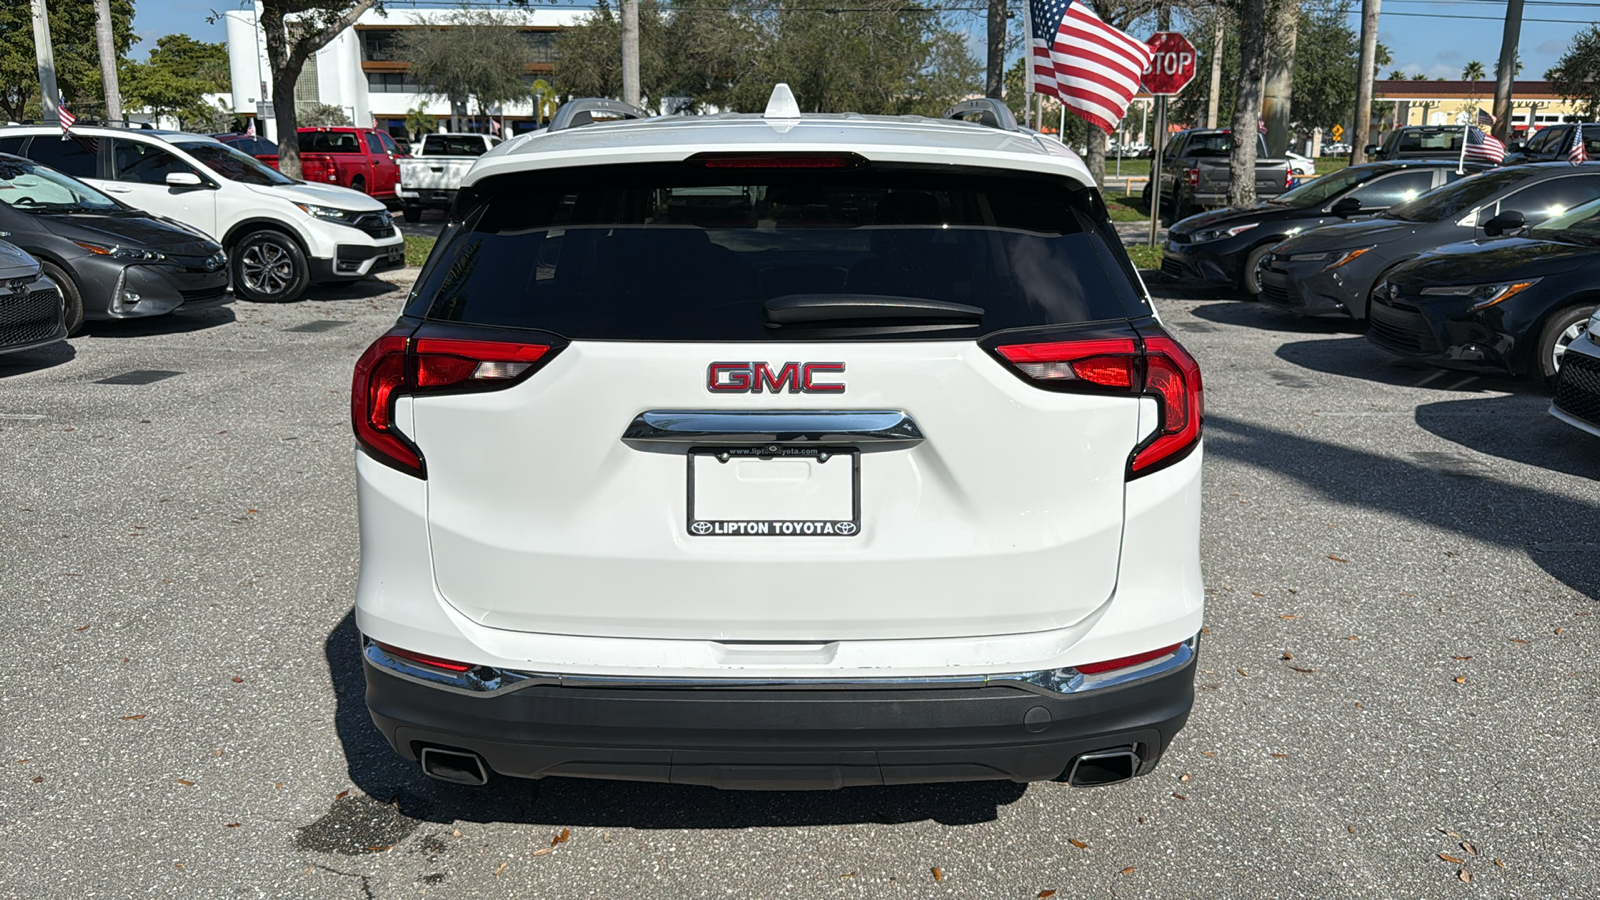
[
  {"x": 779, "y": 452},
  {"x": 281, "y": 235}
]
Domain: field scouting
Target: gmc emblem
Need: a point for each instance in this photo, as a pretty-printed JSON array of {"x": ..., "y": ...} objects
[{"x": 755, "y": 377}]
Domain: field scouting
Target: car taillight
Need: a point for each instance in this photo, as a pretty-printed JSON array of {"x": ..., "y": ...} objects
[
  {"x": 1288, "y": 178},
  {"x": 397, "y": 365},
  {"x": 1121, "y": 662},
  {"x": 1194, "y": 178},
  {"x": 1153, "y": 365},
  {"x": 437, "y": 662}
]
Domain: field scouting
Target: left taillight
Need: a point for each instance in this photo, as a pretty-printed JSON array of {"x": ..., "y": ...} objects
[
  {"x": 1152, "y": 365},
  {"x": 398, "y": 364}
]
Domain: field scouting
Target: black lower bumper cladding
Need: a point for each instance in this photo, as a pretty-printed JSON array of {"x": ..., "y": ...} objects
[{"x": 783, "y": 737}]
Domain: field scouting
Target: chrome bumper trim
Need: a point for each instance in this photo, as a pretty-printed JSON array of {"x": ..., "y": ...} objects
[
  {"x": 881, "y": 428},
  {"x": 488, "y": 681}
]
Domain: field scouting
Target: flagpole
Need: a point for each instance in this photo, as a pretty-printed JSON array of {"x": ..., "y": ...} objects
[{"x": 1461, "y": 163}]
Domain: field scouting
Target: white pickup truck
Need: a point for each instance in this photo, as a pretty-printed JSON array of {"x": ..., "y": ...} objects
[{"x": 429, "y": 179}]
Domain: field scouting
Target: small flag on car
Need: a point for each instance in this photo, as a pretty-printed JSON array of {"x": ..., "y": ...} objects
[
  {"x": 250, "y": 129},
  {"x": 66, "y": 117},
  {"x": 1485, "y": 119},
  {"x": 1577, "y": 153},
  {"x": 1484, "y": 148},
  {"x": 1092, "y": 68}
]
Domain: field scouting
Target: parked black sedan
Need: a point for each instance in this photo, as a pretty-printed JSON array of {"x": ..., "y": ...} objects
[
  {"x": 1330, "y": 271},
  {"x": 1226, "y": 246},
  {"x": 30, "y": 306},
  {"x": 1509, "y": 306},
  {"x": 109, "y": 261}
]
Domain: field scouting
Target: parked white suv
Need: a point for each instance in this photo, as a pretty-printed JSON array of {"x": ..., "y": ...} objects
[
  {"x": 281, "y": 235},
  {"x": 779, "y": 451}
]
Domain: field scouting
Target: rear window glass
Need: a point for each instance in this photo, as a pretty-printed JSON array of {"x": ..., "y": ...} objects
[
  {"x": 1421, "y": 140},
  {"x": 438, "y": 145},
  {"x": 329, "y": 142},
  {"x": 682, "y": 252}
]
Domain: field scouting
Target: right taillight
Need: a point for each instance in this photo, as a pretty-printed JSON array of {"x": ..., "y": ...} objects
[
  {"x": 1194, "y": 178},
  {"x": 1152, "y": 365},
  {"x": 398, "y": 364}
]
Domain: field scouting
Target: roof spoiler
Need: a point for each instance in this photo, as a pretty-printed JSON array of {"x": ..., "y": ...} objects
[
  {"x": 582, "y": 111},
  {"x": 984, "y": 111}
]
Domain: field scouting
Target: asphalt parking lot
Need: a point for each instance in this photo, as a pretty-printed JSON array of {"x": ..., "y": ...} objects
[{"x": 1398, "y": 696}]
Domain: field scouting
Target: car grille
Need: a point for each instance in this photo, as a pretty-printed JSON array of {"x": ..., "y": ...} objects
[
  {"x": 1177, "y": 237},
  {"x": 1578, "y": 388},
  {"x": 1171, "y": 266},
  {"x": 378, "y": 224},
  {"x": 30, "y": 319},
  {"x": 200, "y": 295},
  {"x": 1275, "y": 288},
  {"x": 1400, "y": 331}
]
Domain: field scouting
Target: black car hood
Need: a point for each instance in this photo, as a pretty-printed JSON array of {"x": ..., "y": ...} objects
[
  {"x": 120, "y": 229},
  {"x": 1227, "y": 218},
  {"x": 1508, "y": 259},
  {"x": 1343, "y": 235}
]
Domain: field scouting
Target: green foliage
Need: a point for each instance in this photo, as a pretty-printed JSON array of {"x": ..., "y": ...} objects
[
  {"x": 417, "y": 249},
  {"x": 476, "y": 56},
  {"x": 1325, "y": 66},
  {"x": 876, "y": 56},
  {"x": 419, "y": 123},
  {"x": 180, "y": 69},
  {"x": 1144, "y": 256},
  {"x": 323, "y": 115},
  {"x": 1577, "y": 74},
  {"x": 76, "y": 53},
  {"x": 1472, "y": 71}
]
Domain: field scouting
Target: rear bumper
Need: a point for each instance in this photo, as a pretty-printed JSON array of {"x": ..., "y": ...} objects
[{"x": 782, "y": 736}]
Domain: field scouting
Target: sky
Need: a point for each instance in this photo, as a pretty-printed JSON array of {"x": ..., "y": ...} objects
[{"x": 1434, "y": 37}]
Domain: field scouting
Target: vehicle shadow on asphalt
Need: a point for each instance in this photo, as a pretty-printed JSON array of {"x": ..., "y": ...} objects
[
  {"x": 1519, "y": 429},
  {"x": 1163, "y": 288},
  {"x": 365, "y": 289},
  {"x": 1443, "y": 490},
  {"x": 383, "y": 775},
  {"x": 176, "y": 322},
  {"x": 36, "y": 360},
  {"x": 1253, "y": 314},
  {"x": 1355, "y": 357}
]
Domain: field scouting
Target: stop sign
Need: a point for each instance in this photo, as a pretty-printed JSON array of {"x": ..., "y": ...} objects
[{"x": 1172, "y": 68}]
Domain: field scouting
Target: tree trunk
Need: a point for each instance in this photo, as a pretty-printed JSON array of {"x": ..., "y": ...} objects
[
  {"x": 630, "y": 52},
  {"x": 285, "y": 72},
  {"x": 108, "y": 60},
  {"x": 995, "y": 84},
  {"x": 1508, "y": 72},
  {"x": 1280, "y": 71},
  {"x": 1095, "y": 159},
  {"x": 1216, "y": 73},
  {"x": 1247, "y": 108},
  {"x": 1365, "y": 71}
]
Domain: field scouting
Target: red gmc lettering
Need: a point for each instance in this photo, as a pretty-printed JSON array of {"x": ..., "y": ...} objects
[
  {"x": 763, "y": 377},
  {"x": 730, "y": 377},
  {"x": 788, "y": 374},
  {"x": 812, "y": 370}
]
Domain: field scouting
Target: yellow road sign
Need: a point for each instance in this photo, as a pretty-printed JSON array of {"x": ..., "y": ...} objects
[{"x": 1338, "y": 132}]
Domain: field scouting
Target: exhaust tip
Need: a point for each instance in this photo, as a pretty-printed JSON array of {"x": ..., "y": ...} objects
[
  {"x": 454, "y": 766},
  {"x": 1111, "y": 766}
]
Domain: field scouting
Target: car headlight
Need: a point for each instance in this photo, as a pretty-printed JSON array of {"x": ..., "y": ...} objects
[
  {"x": 1349, "y": 256},
  {"x": 1200, "y": 237},
  {"x": 1307, "y": 257},
  {"x": 122, "y": 252},
  {"x": 326, "y": 212},
  {"x": 1594, "y": 325},
  {"x": 1481, "y": 295}
]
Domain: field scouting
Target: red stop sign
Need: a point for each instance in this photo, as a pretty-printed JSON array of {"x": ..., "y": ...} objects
[{"x": 1172, "y": 68}]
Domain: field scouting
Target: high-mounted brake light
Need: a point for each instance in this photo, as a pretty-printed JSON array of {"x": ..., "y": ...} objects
[
  {"x": 396, "y": 366},
  {"x": 1160, "y": 369},
  {"x": 778, "y": 160},
  {"x": 1121, "y": 662},
  {"x": 437, "y": 662}
]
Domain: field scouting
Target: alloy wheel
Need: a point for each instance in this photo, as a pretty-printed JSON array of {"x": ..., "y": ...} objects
[
  {"x": 267, "y": 268},
  {"x": 1564, "y": 340}
]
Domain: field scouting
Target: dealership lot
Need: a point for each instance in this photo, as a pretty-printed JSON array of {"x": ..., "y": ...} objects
[{"x": 1401, "y": 564}]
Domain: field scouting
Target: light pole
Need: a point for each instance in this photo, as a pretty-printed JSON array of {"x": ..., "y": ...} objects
[{"x": 45, "y": 53}]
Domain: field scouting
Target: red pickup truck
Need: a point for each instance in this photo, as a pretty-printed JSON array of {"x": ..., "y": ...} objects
[{"x": 361, "y": 158}]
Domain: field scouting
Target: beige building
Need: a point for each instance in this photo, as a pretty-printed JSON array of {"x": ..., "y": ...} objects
[{"x": 1437, "y": 102}]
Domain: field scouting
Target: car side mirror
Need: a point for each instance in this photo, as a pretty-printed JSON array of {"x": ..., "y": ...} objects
[
  {"x": 1371, "y": 150},
  {"x": 183, "y": 179},
  {"x": 1510, "y": 220},
  {"x": 1346, "y": 206}
]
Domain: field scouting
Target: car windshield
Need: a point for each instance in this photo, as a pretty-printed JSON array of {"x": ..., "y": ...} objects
[
  {"x": 441, "y": 145},
  {"x": 233, "y": 165},
  {"x": 1455, "y": 199},
  {"x": 1420, "y": 140},
  {"x": 1217, "y": 144},
  {"x": 1580, "y": 224},
  {"x": 28, "y": 187},
  {"x": 1318, "y": 190}
]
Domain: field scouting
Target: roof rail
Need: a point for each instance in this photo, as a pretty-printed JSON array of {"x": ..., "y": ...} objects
[
  {"x": 574, "y": 113},
  {"x": 984, "y": 111},
  {"x": 88, "y": 123}
]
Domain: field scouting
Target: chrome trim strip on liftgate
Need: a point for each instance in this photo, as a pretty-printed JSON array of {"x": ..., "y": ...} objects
[
  {"x": 487, "y": 680},
  {"x": 868, "y": 428}
]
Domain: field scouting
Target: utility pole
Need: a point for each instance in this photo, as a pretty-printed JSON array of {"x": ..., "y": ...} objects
[
  {"x": 1216, "y": 71},
  {"x": 48, "y": 94},
  {"x": 1369, "y": 53},
  {"x": 630, "y": 52},
  {"x": 1508, "y": 71},
  {"x": 995, "y": 84},
  {"x": 108, "y": 60}
]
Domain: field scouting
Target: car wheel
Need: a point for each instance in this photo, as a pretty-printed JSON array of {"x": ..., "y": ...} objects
[
  {"x": 268, "y": 267},
  {"x": 71, "y": 299},
  {"x": 1250, "y": 277},
  {"x": 413, "y": 214},
  {"x": 1562, "y": 328},
  {"x": 358, "y": 184}
]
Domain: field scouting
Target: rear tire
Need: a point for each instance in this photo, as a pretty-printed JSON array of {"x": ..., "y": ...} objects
[
  {"x": 71, "y": 298},
  {"x": 1250, "y": 277},
  {"x": 269, "y": 267},
  {"x": 1562, "y": 328},
  {"x": 358, "y": 184},
  {"x": 413, "y": 214}
]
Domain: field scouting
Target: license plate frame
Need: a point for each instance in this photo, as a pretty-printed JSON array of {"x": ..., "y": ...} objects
[
  {"x": 396, "y": 253},
  {"x": 848, "y": 528}
]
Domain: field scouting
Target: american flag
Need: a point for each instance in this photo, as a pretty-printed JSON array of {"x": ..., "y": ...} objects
[
  {"x": 1483, "y": 148},
  {"x": 1577, "y": 153},
  {"x": 250, "y": 129},
  {"x": 66, "y": 117},
  {"x": 1092, "y": 68},
  {"x": 1485, "y": 119}
]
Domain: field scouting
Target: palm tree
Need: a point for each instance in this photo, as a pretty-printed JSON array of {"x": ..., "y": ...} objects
[{"x": 1473, "y": 72}]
